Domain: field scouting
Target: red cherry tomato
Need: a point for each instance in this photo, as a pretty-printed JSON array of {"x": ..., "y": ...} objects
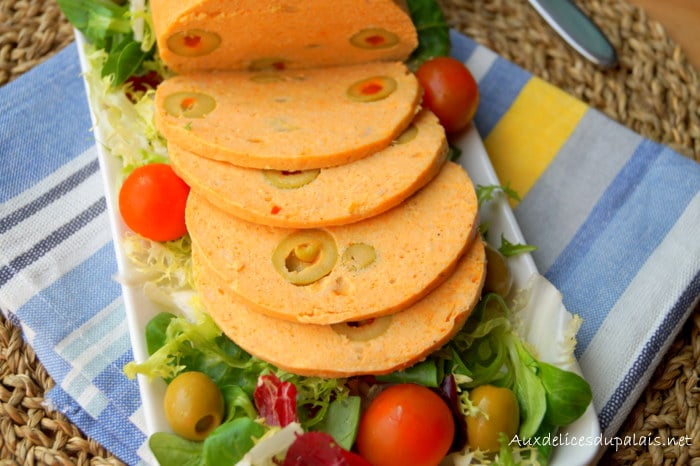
[
  {"x": 406, "y": 424},
  {"x": 450, "y": 91},
  {"x": 152, "y": 202}
]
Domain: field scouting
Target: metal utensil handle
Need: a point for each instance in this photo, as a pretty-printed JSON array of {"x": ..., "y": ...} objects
[{"x": 577, "y": 30}]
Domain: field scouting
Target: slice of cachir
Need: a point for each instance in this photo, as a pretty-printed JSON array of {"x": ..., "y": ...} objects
[
  {"x": 288, "y": 120},
  {"x": 197, "y": 35},
  {"x": 323, "y": 196},
  {"x": 343, "y": 273},
  {"x": 373, "y": 346}
]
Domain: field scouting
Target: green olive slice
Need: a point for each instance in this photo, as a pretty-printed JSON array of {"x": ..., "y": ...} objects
[
  {"x": 305, "y": 256},
  {"x": 374, "y": 38},
  {"x": 363, "y": 330},
  {"x": 408, "y": 135},
  {"x": 193, "y": 42},
  {"x": 498, "y": 276},
  {"x": 189, "y": 104},
  {"x": 357, "y": 256},
  {"x": 285, "y": 179},
  {"x": 268, "y": 64},
  {"x": 372, "y": 89}
]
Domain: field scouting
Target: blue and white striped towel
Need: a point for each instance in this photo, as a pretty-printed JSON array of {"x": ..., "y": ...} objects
[{"x": 616, "y": 219}]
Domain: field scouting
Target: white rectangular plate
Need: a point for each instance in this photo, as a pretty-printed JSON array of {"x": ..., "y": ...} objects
[
  {"x": 577, "y": 443},
  {"x": 578, "y": 446}
]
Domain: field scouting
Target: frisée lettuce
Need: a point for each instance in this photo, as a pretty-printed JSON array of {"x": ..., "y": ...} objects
[
  {"x": 109, "y": 26},
  {"x": 178, "y": 344}
]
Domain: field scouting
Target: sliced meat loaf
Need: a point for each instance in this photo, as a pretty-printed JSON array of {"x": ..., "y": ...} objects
[
  {"x": 326, "y": 196},
  {"x": 344, "y": 273},
  {"x": 288, "y": 120},
  {"x": 197, "y": 35},
  {"x": 378, "y": 346}
]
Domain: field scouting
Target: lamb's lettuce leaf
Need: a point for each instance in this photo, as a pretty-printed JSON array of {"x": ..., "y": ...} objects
[
  {"x": 108, "y": 26},
  {"x": 433, "y": 32}
]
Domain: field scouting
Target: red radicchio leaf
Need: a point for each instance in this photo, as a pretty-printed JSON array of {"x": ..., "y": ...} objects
[
  {"x": 142, "y": 83},
  {"x": 276, "y": 401},
  {"x": 320, "y": 449},
  {"x": 449, "y": 393}
]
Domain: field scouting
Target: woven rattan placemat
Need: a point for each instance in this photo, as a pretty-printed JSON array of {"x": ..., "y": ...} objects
[{"x": 655, "y": 92}]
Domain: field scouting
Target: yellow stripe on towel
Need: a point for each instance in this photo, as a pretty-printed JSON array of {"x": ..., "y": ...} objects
[{"x": 524, "y": 142}]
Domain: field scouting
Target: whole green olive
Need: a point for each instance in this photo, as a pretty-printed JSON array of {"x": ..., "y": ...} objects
[
  {"x": 498, "y": 413},
  {"x": 498, "y": 276},
  {"x": 194, "y": 405}
]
